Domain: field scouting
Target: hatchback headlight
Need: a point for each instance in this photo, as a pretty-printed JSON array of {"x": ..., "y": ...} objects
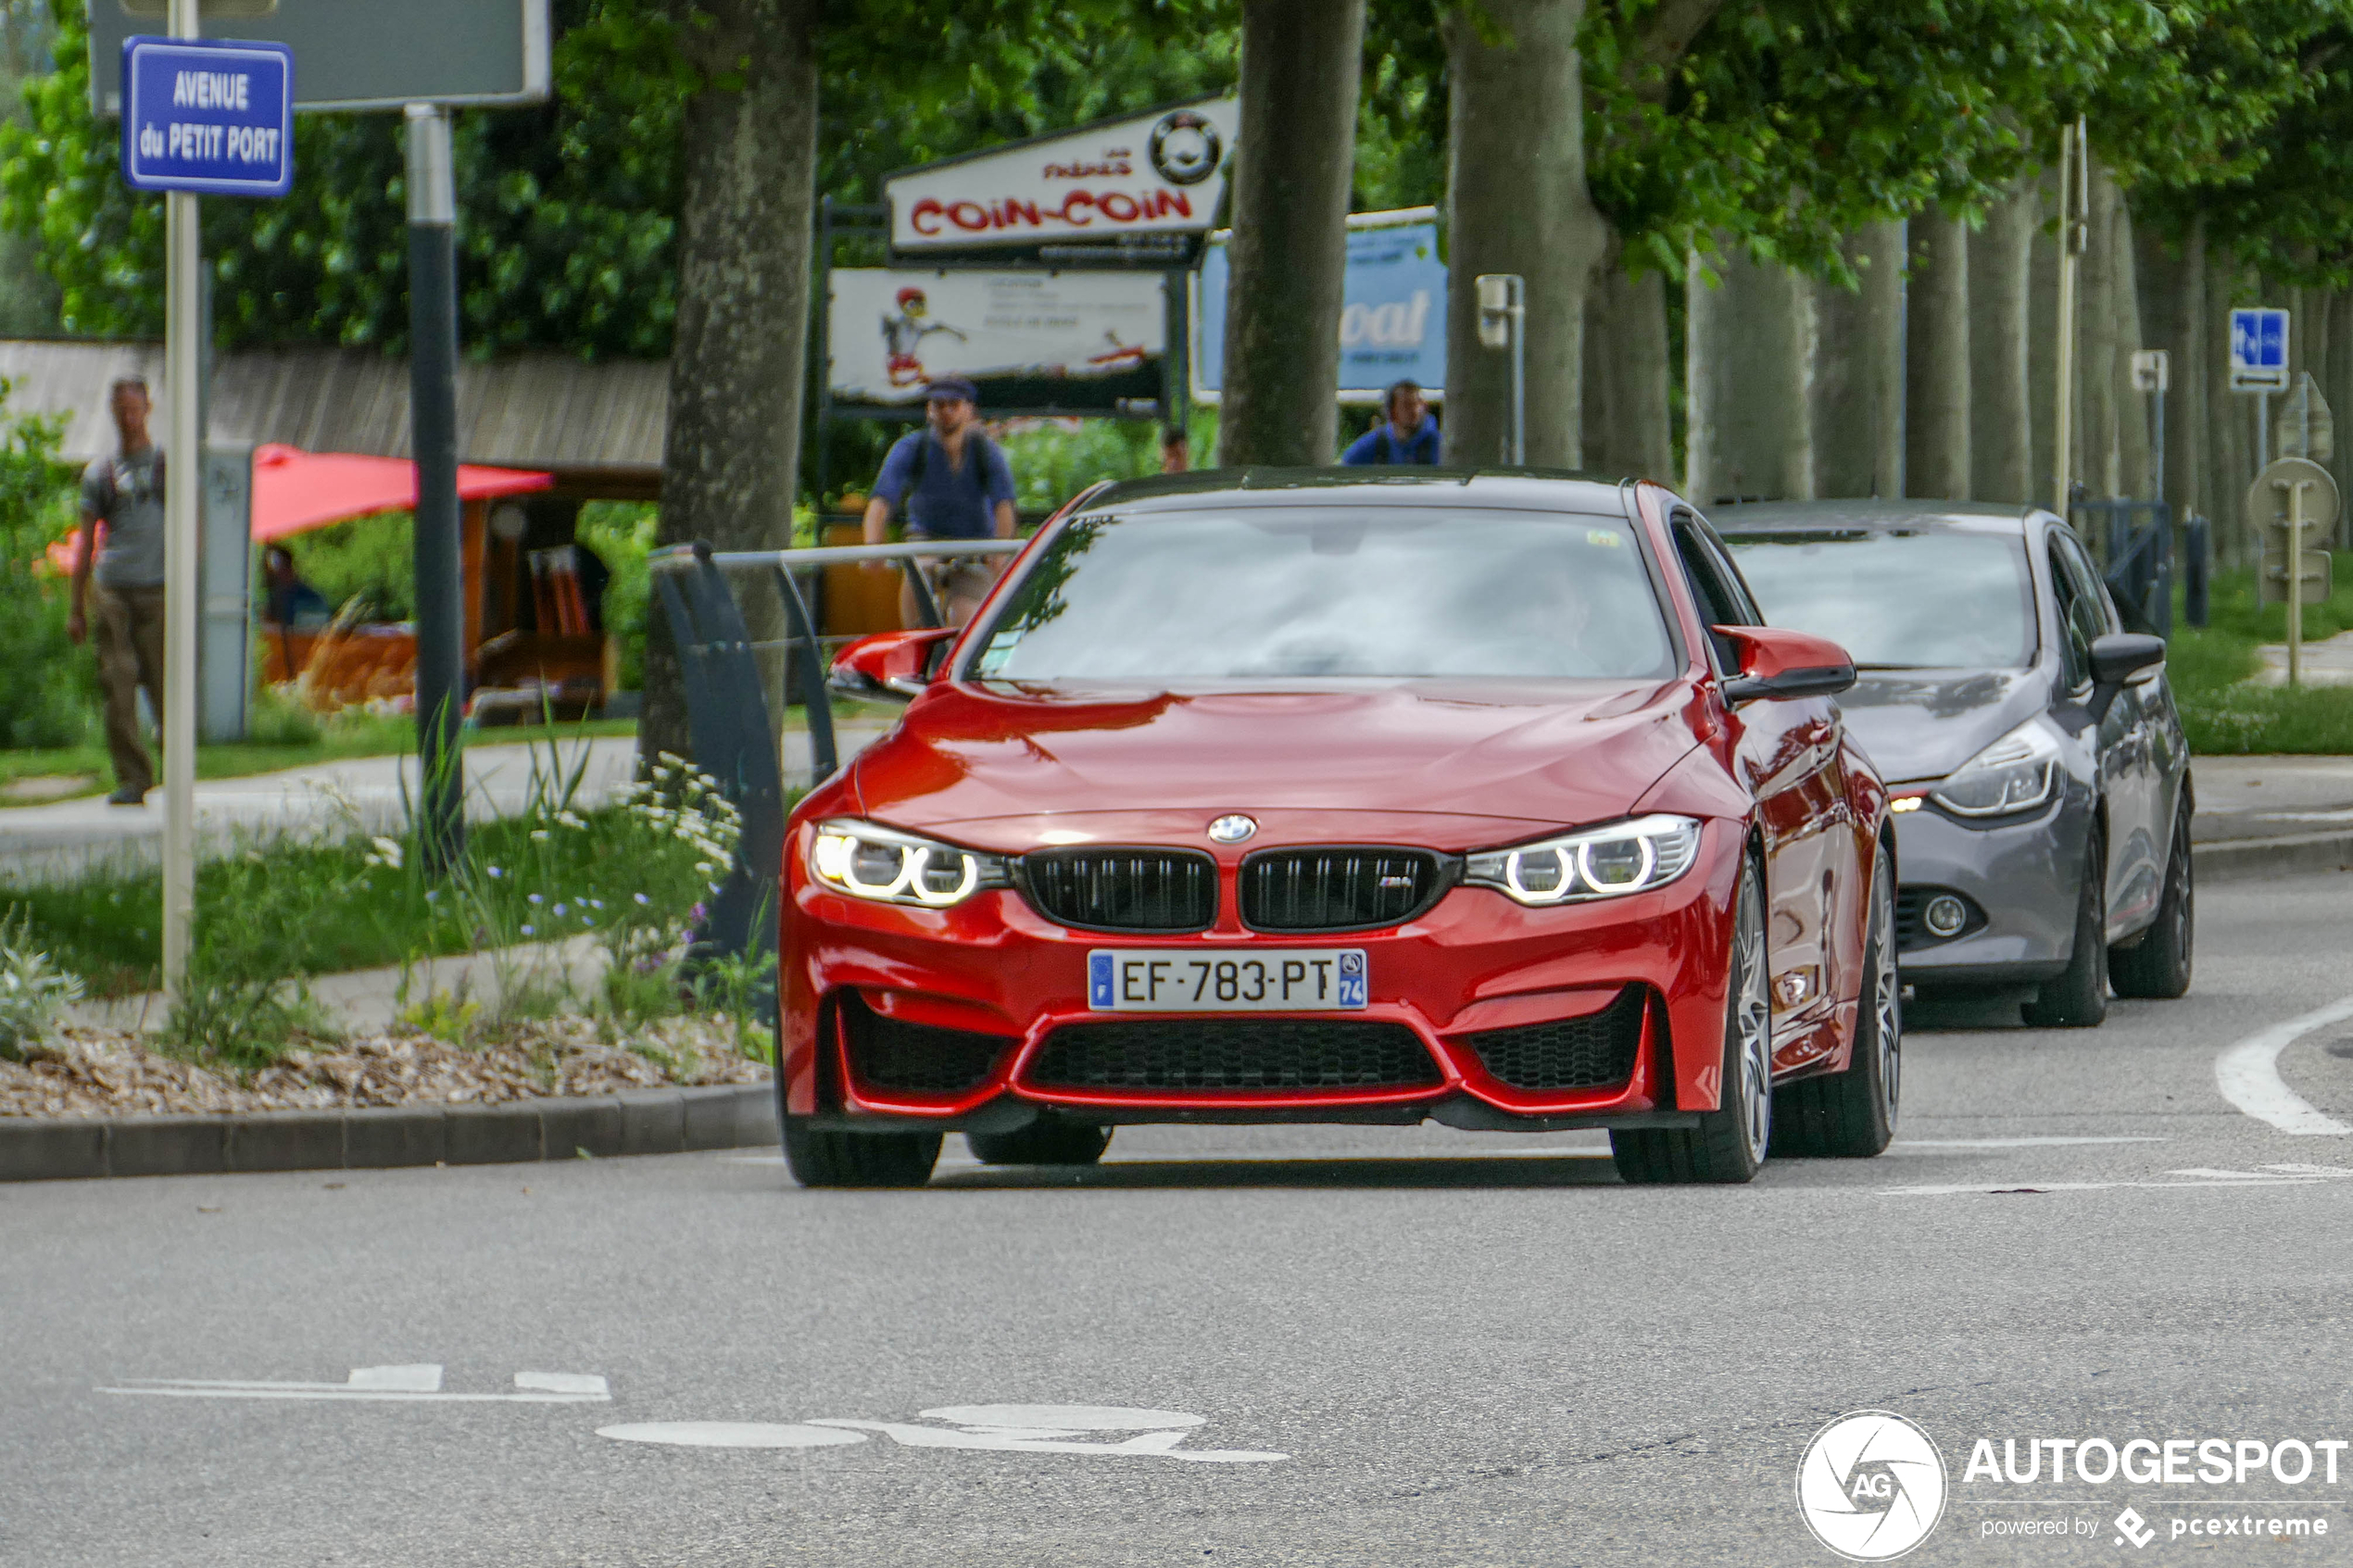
[
  {"x": 2016, "y": 773},
  {"x": 1599, "y": 863},
  {"x": 869, "y": 861}
]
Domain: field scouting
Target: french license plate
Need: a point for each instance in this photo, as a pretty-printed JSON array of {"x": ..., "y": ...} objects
[{"x": 1225, "y": 980}]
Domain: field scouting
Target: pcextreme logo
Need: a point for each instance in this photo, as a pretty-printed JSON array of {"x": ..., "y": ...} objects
[{"x": 1871, "y": 1486}]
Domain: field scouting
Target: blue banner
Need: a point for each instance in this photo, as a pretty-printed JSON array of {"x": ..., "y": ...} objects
[
  {"x": 1392, "y": 323},
  {"x": 212, "y": 118}
]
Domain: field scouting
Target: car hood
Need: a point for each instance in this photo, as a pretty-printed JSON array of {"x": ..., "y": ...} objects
[
  {"x": 1923, "y": 723},
  {"x": 1455, "y": 767}
]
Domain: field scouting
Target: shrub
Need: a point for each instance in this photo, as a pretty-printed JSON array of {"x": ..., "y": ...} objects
[
  {"x": 35, "y": 991},
  {"x": 48, "y": 695}
]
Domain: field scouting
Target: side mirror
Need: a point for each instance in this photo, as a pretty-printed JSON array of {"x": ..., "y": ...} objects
[
  {"x": 2116, "y": 658},
  {"x": 890, "y": 666},
  {"x": 1777, "y": 663}
]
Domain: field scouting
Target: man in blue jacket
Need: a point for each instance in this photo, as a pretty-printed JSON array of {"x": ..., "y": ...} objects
[
  {"x": 1408, "y": 435},
  {"x": 955, "y": 483}
]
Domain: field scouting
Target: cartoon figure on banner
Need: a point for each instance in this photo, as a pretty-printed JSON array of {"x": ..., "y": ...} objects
[{"x": 903, "y": 337}]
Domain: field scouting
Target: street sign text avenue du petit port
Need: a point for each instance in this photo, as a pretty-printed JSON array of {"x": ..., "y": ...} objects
[{"x": 209, "y": 118}]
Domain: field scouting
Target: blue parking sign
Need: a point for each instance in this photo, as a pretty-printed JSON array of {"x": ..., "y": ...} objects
[
  {"x": 209, "y": 117},
  {"x": 2259, "y": 347}
]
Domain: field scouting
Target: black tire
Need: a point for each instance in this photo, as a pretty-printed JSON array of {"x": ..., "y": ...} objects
[
  {"x": 2078, "y": 999},
  {"x": 2158, "y": 966},
  {"x": 858, "y": 1160},
  {"x": 1729, "y": 1145},
  {"x": 1044, "y": 1142},
  {"x": 1851, "y": 1114}
]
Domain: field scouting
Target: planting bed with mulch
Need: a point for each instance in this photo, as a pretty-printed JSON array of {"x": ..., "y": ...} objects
[{"x": 99, "y": 1072}]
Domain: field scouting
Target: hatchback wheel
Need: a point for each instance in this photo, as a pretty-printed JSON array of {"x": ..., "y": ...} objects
[
  {"x": 858, "y": 1160},
  {"x": 2159, "y": 964},
  {"x": 1851, "y": 1114},
  {"x": 2078, "y": 999},
  {"x": 1729, "y": 1145}
]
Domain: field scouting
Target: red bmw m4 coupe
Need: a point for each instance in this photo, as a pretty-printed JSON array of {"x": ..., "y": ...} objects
[{"x": 1310, "y": 797}]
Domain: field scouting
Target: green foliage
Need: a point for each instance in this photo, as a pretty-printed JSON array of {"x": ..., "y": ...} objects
[
  {"x": 34, "y": 992},
  {"x": 370, "y": 559},
  {"x": 45, "y": 700},
  {"x": 2225, "y": 710},
  {"x": 622, "y": 533},
  {"x": 1051, "y": 461}
]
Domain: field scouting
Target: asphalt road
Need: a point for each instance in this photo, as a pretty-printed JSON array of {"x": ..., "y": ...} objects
[{"x": 1464, "y": 1349}]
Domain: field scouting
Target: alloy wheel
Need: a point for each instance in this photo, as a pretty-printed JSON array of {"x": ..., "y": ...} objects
[
  {"x": 1887, "y": 998},
  {"x": 1755, "y": 1022}
]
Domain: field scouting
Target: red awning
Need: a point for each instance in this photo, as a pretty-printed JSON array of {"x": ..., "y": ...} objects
[{"x": 293, "y": 490}]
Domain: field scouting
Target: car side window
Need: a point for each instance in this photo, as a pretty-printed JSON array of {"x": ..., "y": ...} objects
[
  {"x": 2077, "y": 619},
  {"x": 1711, "y": 579},
  {"x": 2093, "y": 600},
  {"x": 1740, "y": 600}
]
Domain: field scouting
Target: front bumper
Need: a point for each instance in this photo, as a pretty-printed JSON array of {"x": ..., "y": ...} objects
[
  {"x": 2021, "y": 878},
  {"x": 1003, "y": 980}
]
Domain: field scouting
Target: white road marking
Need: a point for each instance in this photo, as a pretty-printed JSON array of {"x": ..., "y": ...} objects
[
  {"x": 730, "y": 1434},
  {"x": 2014, "y": 1143},
  {"x": 2248, "y": 1075},
  {"x": 1023, "y": 1429},
  {"x": 1986, "y": 1188},
  {"x": 379, "y": 1384}
]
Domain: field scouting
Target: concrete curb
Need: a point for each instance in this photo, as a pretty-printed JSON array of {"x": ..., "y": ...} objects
[
  {"x": 648, "y": 1121},
  {"x": 2248, "y": 859}
]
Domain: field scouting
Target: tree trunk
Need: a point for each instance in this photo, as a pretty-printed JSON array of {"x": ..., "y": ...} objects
[
  {"x": 1293, "y": 172},
  {"x": 2169, "y": 307},
  {"x": 2042, "y": 360},
  {"x": 731, "y": 456},
  {"x": 1751, "y": 348},
  {"x": 2231, "y": 414},
  {"x": 2136, "y": 467},
  {"x": 2106, "y": 369},
  {"x": 1936, "y": 368},
  {"x": 1626, "y": 377},
  {"x": 1516, "y": 201},
  {"x": 2001, "y": 413},
  {"x": 2339, "y": 391},
  {"x": 1858, "y": 371}
]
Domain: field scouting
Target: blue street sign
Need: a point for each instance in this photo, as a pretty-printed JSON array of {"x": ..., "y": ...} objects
[
  {"x": 2258, "y": 345},
  {"x": 210, "y": 116}
]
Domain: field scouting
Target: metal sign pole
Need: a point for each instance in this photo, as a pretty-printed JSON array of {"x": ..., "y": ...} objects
[
  {"x": 2294, "y": 553},
  {"x": 184, "y": 495},
  {"x": 432, "y": 424}
]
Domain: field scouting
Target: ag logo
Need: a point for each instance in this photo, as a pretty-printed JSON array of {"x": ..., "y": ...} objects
[
  {"x": 1871, "y": 1486},
  {"x": 1185, "y": 148}
]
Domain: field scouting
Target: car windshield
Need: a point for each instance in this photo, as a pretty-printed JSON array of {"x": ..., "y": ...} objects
[
  {"x": 1292, "y": 591},
  {"x": 1898, "y": 599}
]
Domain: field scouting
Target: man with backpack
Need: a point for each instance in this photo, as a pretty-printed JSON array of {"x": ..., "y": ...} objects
[
  {"x": 1408, "y": 435},
  {"x": 955, "y": 483}
]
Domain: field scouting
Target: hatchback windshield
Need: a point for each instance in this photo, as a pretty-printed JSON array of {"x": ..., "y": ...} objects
[
  {"x": 1899, "y": 599},
  {"x": 1288, "y": 592}
]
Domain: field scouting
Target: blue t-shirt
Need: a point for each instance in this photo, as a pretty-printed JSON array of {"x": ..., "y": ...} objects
[
  {"x": 950, "y": 502},
  {"x": 1379, "y": 445}
]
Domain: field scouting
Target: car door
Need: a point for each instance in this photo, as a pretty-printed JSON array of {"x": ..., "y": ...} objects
[
  {"x": 1787, "y": 753},
  {"x": 2128, "y": 766}
]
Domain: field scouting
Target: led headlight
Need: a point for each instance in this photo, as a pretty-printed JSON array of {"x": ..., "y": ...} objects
[
  {"x": 1599, "y": 863},
  {"x": 2016, "y": 773},
  {"x": 869, "y": 861}
]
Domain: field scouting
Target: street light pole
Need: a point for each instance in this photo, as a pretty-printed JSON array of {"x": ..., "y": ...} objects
[
  {"x": 183, "y": 496},
  {"x": 1503, "y": 323},
  {"x": 432, "y": 424}
]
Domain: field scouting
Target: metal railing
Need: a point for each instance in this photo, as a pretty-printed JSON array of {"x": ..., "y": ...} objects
[
  {"x": 2140, "y": 558},
  {"x": 727, "y": 702}
]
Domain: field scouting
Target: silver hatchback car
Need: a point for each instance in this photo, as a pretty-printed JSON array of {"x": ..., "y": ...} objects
[{"x": 2030, "y": 741}]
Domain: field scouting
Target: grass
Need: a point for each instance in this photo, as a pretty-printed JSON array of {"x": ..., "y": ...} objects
[{"x": 2225, "y": 712}]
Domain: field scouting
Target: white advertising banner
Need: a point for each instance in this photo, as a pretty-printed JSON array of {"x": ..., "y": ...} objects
[
  {"x": 1163, "y": 172},
  {"x": 1080, "y": 341}
]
